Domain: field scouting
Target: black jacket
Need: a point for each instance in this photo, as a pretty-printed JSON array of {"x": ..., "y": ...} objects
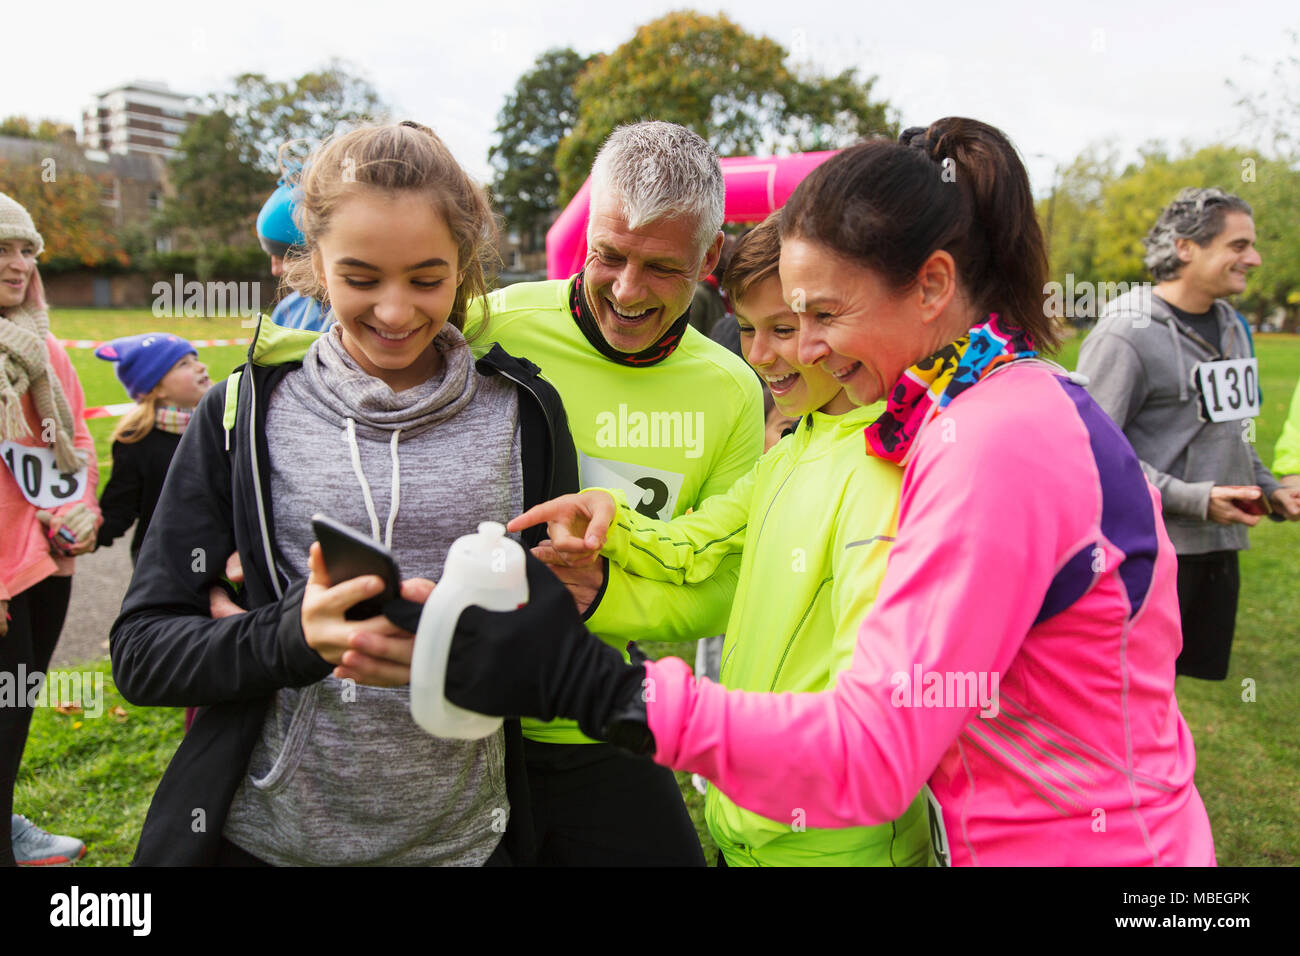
[
  {"x": 133, "y": 489},
  {"x": 167, "y": 651}
]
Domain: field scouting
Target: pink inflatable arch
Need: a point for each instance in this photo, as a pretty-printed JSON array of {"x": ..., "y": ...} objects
[{"x": 755, "y": 187}]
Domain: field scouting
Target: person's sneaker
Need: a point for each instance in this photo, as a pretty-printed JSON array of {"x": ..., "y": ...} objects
[{"x": 34, "y": 847}]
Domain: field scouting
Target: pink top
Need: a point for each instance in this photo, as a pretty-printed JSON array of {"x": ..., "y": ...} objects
[
  {"x": 1019, "y": 658},
  {"x": 24, "y": 548}
]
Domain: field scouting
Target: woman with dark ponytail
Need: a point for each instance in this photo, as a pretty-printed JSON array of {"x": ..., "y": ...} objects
[{"x": 1018, "y": 664}]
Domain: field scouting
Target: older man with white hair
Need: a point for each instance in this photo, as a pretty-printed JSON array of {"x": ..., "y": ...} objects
[{"x": 656, "y": 409}]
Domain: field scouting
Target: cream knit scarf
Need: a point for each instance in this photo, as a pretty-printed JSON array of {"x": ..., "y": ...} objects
[{"x": 25, "y": 367}]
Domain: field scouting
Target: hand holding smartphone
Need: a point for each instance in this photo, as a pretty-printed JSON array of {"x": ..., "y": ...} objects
[
  {"x": 350, "y": 554},
  {"x": 1254, "y": 506}
]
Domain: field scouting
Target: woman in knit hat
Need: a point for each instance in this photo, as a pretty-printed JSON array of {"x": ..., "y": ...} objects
[
  {"x": 47, "y": 497},
  {"x": 164, "y": 376}
]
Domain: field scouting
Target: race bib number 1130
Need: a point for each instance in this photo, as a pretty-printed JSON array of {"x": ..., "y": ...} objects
[{"x": 39, "y": 478}]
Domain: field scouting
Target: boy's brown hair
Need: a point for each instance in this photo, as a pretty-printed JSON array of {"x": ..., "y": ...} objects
[{"x": 756, "y": 258}]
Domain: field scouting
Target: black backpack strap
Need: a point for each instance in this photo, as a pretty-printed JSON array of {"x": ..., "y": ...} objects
[{"x": 535, "y": 455}]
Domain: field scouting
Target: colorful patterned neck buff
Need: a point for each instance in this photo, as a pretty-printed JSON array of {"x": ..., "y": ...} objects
[
  {"x": 169, "y": 418},
  {"x": 586, "y": 321},
  {"x": 925, "y": 389}
]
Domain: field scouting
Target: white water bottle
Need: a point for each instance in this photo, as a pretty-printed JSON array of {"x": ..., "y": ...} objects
[{"x": 484, "y": 569}]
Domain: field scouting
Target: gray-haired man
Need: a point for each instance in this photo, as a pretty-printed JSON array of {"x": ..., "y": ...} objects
[
  {"x": 656, "y": 409},
  {"x": 1176, "y": 371}
]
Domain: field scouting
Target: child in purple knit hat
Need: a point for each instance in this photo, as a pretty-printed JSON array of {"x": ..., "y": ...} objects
[{"x": 164, "y": 376}]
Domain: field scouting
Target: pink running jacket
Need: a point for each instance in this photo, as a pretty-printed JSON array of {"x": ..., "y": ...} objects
[{"x": 1019, "y": 658}]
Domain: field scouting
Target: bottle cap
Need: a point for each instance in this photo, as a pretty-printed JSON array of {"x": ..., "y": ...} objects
[{"x": 492, "y": 529}]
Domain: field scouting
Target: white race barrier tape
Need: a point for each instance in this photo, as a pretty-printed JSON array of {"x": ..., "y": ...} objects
[
  {"x": 200, "y": 344},
  {"x": 108, "y": 411},
  {"x": 115, "y": 411}
]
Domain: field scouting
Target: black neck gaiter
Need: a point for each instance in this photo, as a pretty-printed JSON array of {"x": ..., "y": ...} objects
[{"x": 586, "y": 321}]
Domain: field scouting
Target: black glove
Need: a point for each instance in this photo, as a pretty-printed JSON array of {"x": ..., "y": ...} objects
[{"x": 541, "y": 661}]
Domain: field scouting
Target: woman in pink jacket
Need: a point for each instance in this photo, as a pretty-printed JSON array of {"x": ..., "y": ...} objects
[
  {"x": 1018, "y": 665},
  {"x": 50, "y": 513}
]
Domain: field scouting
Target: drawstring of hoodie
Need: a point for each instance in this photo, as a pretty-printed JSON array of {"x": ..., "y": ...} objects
[
  {"x": 392, "y": 510},
  {"x": 1178, "y": 351},
  {"x": 365, "y": 485}
]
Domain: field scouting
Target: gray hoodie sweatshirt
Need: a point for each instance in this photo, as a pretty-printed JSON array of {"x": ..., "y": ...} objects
[
  {"x": 1140, "y": 362},
  {"x": 342, "y": 774}
]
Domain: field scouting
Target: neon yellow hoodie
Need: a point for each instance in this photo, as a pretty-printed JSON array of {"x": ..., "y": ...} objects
[
  {"x": 673, "y": 433},
  {"x": 815, "y": 519},
  {"x": 1286, "y": 460}
]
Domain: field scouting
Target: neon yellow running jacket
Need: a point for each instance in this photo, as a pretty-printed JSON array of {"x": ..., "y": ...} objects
[{"x": 815, "y": 519}]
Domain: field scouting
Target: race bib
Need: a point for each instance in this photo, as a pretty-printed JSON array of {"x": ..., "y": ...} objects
[
  {"x": 939, "y": 855},
  {"x": 1229, "y": 389},
  {"x": 39, "y": 478},
  {"x": 651, "y": 491}
]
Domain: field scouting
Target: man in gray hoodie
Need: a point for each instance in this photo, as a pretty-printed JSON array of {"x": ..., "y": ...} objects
[{"x": 1176, "y": 371}]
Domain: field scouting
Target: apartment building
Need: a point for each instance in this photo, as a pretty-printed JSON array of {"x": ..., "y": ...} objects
[{"x": 140, "y": 117}]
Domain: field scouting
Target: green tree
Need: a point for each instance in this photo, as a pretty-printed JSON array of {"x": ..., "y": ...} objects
[
  {"x": 219, "y": 185},
  {"x": 1132, "y": 203},
  {"x": 267, "y": 113},
  {"x": 1100, "y": 216},
  {"x": 1272, "y": 113},
  {"x": 731, "y": 87},
  {"x": 1069, "y": 215},
  {"x": 227, "y": 162},
  {"x": 1274, "y": 195},
  {"x": 537, "y": 115}
]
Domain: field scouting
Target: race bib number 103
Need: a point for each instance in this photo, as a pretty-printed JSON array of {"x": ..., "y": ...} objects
[{"x": 39, "y": 478}]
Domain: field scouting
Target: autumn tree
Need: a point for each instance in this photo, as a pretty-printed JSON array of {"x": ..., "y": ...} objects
[
  {"x": 24, "y": 128},
  {"x": 537, "y": 115},
  {"x": 65, "y": 204},
  {"x": 733, "y": 88}
]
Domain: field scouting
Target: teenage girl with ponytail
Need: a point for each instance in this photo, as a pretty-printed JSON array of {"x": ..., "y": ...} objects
[
  {"x": 1030, "y": 561},
  {"x": 386, "y": 423}
]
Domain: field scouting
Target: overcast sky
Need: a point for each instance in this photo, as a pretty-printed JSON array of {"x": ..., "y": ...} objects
[{"x": 1054, "y": 77}]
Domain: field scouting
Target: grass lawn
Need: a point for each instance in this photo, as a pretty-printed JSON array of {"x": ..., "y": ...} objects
[{"x": 94, "y": 777}]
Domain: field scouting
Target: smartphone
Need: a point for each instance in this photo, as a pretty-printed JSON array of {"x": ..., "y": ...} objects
[
  {"x": 350, "y": 554},
  {"x": 63, "y": 540},
  {"x": 1254, "y": 506}
]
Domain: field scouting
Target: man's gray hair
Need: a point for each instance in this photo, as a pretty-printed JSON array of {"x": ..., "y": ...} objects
[
  {"x": 1195, "y": 214},
  {"x": 661, "y": 170}
]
